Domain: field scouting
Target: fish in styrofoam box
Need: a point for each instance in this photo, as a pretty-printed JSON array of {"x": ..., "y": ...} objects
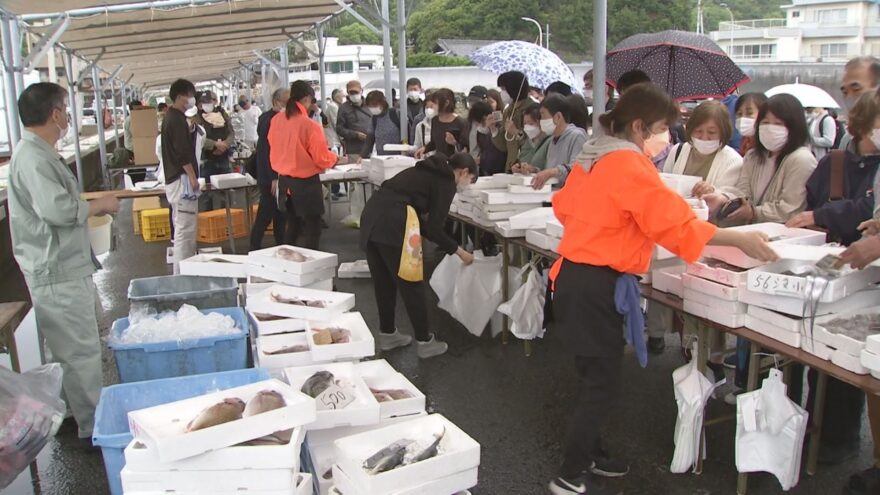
[
  {"x": 870, "y": 361},
  {"x": 795, "y": 307},
  {"x": 555, "y": 228},
  {"x": 668, "y": 279},
  {"x": 457, "y": 452},
  {"x": 140, "y": 458},
  {"x": 379, "y": 375},
  {"x": 360, "y": 340},
  {"x": 504, "y": 230},
  {"x": 731, "y": 320},
  {"x": 247, "y": 481},
  {"x": 227, "y": 181},
  {"x": 835, "y": 331},
  {"x": 848, "y": 362},
  {"x": 449, "y": 484},
  {"x": 499, "y": 198},
  {"x": 779, "y": 235},
  {"x": 293, "y": 259},
  {"x": 774, "y": 332},
  {"x": 710, "y": 288},
  {"x": 681, "y": 184},
  {"x": 532, "y": 219},
  {"x": 520, "y": 189},
  {"x": 291, "y": 279},
  {"x": 320, "y": 460},
  {"x": 718, "y": 271},
  {"x": 727, "y": 306},
  {"x": 783, "y": 321},
  {"x": 817, "y": 349},
  {"x": 364, "y": 410},
  {"x": 163, "y": 428},
  {"x": 284, "y": 350},
  {"x": 296, "y": 302},
  {"x": 215, "y": 265},
  {"x": 354, "y": 269},
  {"x": 327, "y": 437},
  {"x": 778, "y": 279},
  {"x": 542, "y": 240}
]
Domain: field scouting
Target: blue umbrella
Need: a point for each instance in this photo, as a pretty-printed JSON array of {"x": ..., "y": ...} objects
[{"x": 539, "y": 64}]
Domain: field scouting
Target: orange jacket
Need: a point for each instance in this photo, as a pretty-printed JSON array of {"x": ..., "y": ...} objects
[
  {"x": 614, "y": 214},
  {"x": 297, "y": 146}
]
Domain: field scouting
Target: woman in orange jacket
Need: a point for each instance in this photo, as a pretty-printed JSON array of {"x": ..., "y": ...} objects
[
  {"x": 299, "y": 153},
  {"x": 615, "y": 208}
]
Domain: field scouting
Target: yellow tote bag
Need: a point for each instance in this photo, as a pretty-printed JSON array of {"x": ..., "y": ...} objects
[{"x": 412, "y": 265}]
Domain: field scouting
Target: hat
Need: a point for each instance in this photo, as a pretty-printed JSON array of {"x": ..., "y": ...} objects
[
  {"x": 207, "y": 97},
  {"x": 479, "y": 92}
]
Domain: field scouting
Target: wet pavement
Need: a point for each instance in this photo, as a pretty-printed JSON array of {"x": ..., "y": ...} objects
[{"x": 515, "y": 406}]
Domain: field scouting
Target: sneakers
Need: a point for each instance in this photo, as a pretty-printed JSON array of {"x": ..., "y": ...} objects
[
  {"x": 731, "y": 396},
  {"x": 431, "y": 348},
  {"x": 865, "y": 483},
  {"x": 607, "y": 467},
  {"x": 730, "y": 361},
  {"x": 389, "y": 341},
  {"x": 717, "y": 370},
  {"x": 656, "y": 345},
  {"x": 562, "y": 486}
]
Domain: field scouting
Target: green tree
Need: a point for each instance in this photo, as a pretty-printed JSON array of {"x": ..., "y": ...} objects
[
  {"x": 357, "y": 34},
  {"x": 435, "y": 60}
]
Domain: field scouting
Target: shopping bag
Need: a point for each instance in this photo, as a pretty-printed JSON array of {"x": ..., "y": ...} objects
[
  {"x": 526, "y": 307},
  {"x": 692, "y": 391},
  {"x": 477, "y": 292},
  {"x": 443, "y": 282},
  {"x": 514, "y": 282},
  {"x": 356, "y": 207},
  {"x": 411, "y": 259}
]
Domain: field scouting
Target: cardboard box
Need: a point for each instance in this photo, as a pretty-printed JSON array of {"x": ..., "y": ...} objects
[
  {"x": 144, "y": 149},
  {"x": 145, "y": 123}
]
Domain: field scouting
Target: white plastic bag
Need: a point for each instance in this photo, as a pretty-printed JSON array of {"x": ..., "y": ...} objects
[
  {"x": 443, "y": 282},
  {"x": 478, "y": 292},
  {"x": 770, "y": 431},
  {"x": 356, "y": 207},
  {"x": 526, "y": 307},
  {"x": 692, "y": 391},
  {"x": 31, "y": 411}
]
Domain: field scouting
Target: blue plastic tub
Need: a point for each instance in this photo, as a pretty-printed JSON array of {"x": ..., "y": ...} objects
[
  {"x": 111, "y": 416},
  {"x": 138, "y": 362}
]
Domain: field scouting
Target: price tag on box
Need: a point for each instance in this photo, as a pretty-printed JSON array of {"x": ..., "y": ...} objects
[
  {"x": 335, "y": 397},
  {"x": 777, "y": 283}
]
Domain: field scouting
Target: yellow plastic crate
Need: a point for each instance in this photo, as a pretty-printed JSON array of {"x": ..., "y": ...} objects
[
  {"x": 156, "y": 225},
  {"x": 212, "y": 225},
  {"x": 138, "y": 206}
]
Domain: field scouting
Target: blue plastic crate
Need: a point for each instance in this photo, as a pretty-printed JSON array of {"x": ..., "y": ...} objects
[
  {"x": 151, "y": 361},
  {"x": 111, "y": 416}
]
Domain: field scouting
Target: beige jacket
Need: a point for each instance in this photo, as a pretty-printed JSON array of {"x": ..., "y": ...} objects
[{"x": 785, "y": 194}]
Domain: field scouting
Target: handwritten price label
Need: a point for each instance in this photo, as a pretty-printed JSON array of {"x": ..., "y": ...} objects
[
  {"x": 334, "y": 398},
  {"x": 774, "y": 283}
]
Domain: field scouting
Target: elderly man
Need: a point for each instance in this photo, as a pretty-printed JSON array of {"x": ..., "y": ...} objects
[
  {"x": 860, "y": 75},
  {"x": 354, "y": 122},
  {"x": 50, "y": 242},
  {"x": 267, "y": 178}
]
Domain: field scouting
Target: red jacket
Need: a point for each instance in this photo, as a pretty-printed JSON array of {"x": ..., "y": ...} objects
[{"x": 297, "y": 146}]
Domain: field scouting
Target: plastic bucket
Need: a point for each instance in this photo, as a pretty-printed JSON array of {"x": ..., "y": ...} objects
[{"x": 99, "y": 233}]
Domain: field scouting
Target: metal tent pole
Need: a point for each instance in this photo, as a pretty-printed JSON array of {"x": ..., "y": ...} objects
[
  {"x": 285, "y": 65},
  {"x": 75, "y": 119},
  {"x": 401, "y": 70},
  {"x": 9, "y": 83},
  {"x": 115, "y": 109},
  {"x": 16, "y": 55},
  {"x": 600, "y": 41},
  {"x": 322, "y": 71},
  {"x": 386, "y": 51},
  {"x": 99, "y": 119}
]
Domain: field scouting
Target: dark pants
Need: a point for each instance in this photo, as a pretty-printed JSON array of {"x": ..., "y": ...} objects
[
  {"x": 302, "y": 231},
  {"x": 267, "y": 212},
  {"x": 303, "y": 207},
  {"x": 384, "y": 262},
  {"x": 587, "y": 318},
  {"x": 844, "y": 407}
]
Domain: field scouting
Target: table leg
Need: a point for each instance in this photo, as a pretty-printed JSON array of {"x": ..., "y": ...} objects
[
  {"x": 505, "y": 288},
  {"x": 816, "y": 419},
  {"x": 10, "y": 344},
  {"x": 247, "y": 208},
  {"x": 229, "y": 230}
]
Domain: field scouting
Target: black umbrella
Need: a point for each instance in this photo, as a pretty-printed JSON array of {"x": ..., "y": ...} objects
[{"x": 689, "y": 66}]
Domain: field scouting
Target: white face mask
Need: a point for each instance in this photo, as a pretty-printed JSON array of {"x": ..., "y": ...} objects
[
  {"x": 207, "y": 107},
  {"x": 588, "y": 93},
  {"x": 547, "y": 126},
  {"x": 505, "y": 97},
  {"x": 355, "y": 99},
  {"x": 532, "y": 131},
  {"x": 62, "y": 131},
  {"x": 190, "y": 102},
  {"x": 746, "y": 126},
  {"x": 706, "y": 147},
  {"x": 875, "y": 138},
  {"x": 773, "y": 137},
  {"x": 414, "y": 96},
  {"x": 191, "y": 112},
  {"x": 430, "y": 113},
  {"x": 849, "y": 102},
  {"x": 374, "y": 110}
]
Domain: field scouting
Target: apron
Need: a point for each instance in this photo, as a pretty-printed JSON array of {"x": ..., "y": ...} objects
[
  {"x": 306, "y": 195},
  {"x": 411, "y": 259}
]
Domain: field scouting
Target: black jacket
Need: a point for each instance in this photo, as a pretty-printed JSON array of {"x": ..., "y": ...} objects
[
  {"x": 842, "y": 218},
  {"x": 265, "y": 174},
  {"x": 350, "y": 120},
  {"x": 429, "y": 188}
]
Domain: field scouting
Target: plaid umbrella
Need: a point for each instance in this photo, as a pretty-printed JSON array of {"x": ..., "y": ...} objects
[
  {"x": 539, "y": 64},
  {"x": 689, "y": 66}
]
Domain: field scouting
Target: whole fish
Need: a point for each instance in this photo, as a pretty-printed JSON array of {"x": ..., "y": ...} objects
[
  {"x": 277, "y": 438},
  {"x": 264, "y": 401},
  {"x": 333, "y": 335},
  {"x": 388, "y": 458},
  {"x": 296, "y": 301},
  {"x": 218, "y": 260},
  {"x": 317, "y": 383},
  {"x": 322, "y": 337},
  {"x": 431, "y": 451},
  {"x": 288, "y": 349},
  {"x": 288, "y": 254},
  {"x": 222, "y": 412},
  {"x": 265, "y": 317},
  {"x": 391, "y": 394}
]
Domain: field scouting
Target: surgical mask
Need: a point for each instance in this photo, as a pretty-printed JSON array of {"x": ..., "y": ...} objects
[
  {"x": 547, "y": 126},
  {"x": 190, "y": 102},
  {"x": 656, "y": 143},
  {"x": 355, "y": 99},
  {"x": 532, "y": 131},
  {"x": 849, "y": 102},
  {"x": 772, "y": 136},
  {"x": 191, "y": 112},
  {"x": 482, "y": 129},
  {"x": 875, "y": 138},
  {"x": 430, "y": 113},
  {"x": 505, "y": 97},
  {"x": 706, "y": 147},
  {"x": 460, "y": 188},
  {"x": 207, "y": 107},
  {"x": 588, "y": 93},
  {"x": 414, "y": 96},
  {"x": 746, "y": 126}
]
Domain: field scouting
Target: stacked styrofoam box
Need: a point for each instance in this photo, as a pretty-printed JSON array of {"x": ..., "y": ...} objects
[
  {"x": 216, "y": 265},
  {"x": 713, "y": 301},
  {"x": 385, "y": 167},
  {"x": 870, "y": 356},
  {"x": 165, "y": 457},
  {"x": 779, "y": 235},
  {"x": 681, "y": 184},
  {"x": 228, "y": 181},
  {"x": 354, "y": 269},
  {"x": 850, "y": 352},
  {"x": 318, "y": 266}
]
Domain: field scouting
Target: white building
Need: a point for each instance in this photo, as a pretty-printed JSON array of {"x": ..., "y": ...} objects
[
  {"x": 812, "y": 31},
  {"x": 342, "y": 63}
]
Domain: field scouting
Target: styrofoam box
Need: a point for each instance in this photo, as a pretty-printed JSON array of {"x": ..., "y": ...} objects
[
  {"x": 466, "y": 210},
  {"x": 499, "y": 198},
  {"x": 448, "y": 484},
  {"x": 721, "y": 275},
  {"x": 460, "y": 453},
  {"x": 838, "y": 341},
  {"x": 504, "y": 230},
  {"x": 363, "y": 411},
  {"x": 795, "y": 307},
  {"x": 732, "y": 307},
  {"x": 849, "y": 362},
  {"x": 732, "y": 320},
  {"x": 785, "y": 236},
  {"x": 710, "y": 288},
  {"x": 527, "y": 189},
  {"x": 140, "y": 458},
  {"x": 336, "y": 303},
  {"x": 524, "y": 179},
  {"x": 393, "y": 161},
  {"x": 327, "y": 437},
  {"x": 555, "y": 228},
  {"x": 269, "y": 343},
  {"x": 770, "y": 330},
  {"x": 227, "y": 181},
  {"x": 453, "y": 208},
  {"x": 768, "y": 279},
  {"x": 682, "y": 184},
  {"x": 302, "y": 481},
  {"x": 872, "y": 343},
  {"x": 661, "y": 253},
  {"x": 234, "y": 267},
  {"x": 287, "y": 325},
  {"x": 354, "y": 269},
  {"x": 492, "y": 182},
  {"x": 648, "y": 278},
  {"x": 256, "y": 285},
  {"x": 291, "y": 279},
  {"x": 379, "y": 375},
  {"x": 503, "y": 214},
  {"x": 817, "y": 349},
  {"x": 317, "y": 260},
  {"x": 668, "y": 280},
  {"x": 242, "y": 481},
  {"x": 361, "y": 345},
  {"x": 532, "y": 219},
  {"x": 211, "y": 250},
  {"x": 870, "y": 361},
  {"x": 542, "y": 240},
  {"x": 783, "y": 321},
  {"x": 322, "y": 457}
]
